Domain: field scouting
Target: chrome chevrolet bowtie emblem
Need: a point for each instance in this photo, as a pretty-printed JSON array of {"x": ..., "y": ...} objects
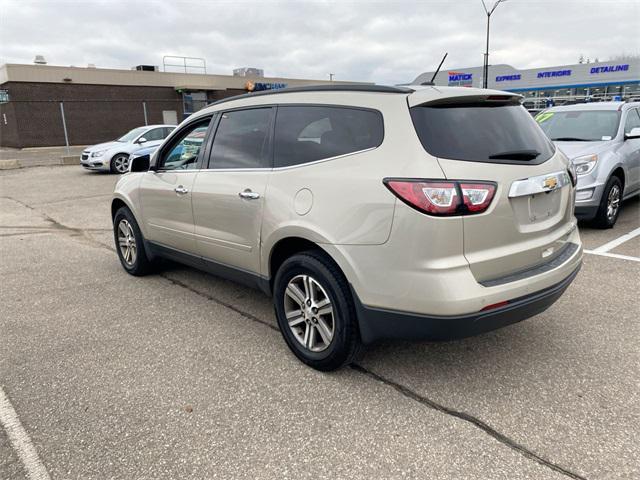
[{"x": 550, "y": 183}]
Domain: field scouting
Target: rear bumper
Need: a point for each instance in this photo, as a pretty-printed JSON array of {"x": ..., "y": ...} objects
[{"x": 377, "y": 324}]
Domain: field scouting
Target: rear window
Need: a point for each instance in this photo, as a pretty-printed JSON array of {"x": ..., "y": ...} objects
[
  {"x": 308, "y": 133},
  {"x": 481, "y": 132}
]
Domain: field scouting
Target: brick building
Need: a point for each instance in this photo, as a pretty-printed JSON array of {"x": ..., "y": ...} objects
[{"x": 101, "y": 104}]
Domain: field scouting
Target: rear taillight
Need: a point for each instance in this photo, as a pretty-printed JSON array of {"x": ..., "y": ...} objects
[{"x": 443, "y": 197}]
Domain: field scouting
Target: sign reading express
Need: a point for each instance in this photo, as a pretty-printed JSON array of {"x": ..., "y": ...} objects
[
  {"x": 508, "y": 78},
  {"x": 610, "y": 69}
]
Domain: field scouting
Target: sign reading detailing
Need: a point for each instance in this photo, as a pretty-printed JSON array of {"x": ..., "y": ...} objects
[{"x": 610, "y": 69}]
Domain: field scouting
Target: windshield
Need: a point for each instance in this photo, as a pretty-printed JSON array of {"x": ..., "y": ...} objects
[
  {"x": 481, "y": 132},
  {"x": 579, "y": 125},
  {"x": 132, "y": 135}
]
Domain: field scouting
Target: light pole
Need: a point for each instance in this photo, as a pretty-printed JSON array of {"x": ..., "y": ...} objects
[{"x": 485, "y": 69}]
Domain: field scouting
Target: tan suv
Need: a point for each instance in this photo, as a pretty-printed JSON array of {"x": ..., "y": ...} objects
[{"x": 367, "y": 212}]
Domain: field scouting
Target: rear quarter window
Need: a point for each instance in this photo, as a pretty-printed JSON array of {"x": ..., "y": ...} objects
[
  {"x": 481, "y": 132},
  {"x": 306, "y": 134}
]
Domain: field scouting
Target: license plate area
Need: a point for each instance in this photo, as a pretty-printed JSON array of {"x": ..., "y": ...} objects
[{"x": 544, "y": 205}]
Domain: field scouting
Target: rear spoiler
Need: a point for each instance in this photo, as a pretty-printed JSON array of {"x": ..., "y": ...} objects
[{"x": 434, "y": 96}]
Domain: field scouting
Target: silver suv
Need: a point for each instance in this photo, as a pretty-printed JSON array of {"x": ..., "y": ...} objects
[
  {"x": 367, "y": 212},
  {"x": 603, "y": 141}
]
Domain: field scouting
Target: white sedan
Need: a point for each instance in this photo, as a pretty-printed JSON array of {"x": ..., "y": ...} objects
[{"x": 114, "y": 156}]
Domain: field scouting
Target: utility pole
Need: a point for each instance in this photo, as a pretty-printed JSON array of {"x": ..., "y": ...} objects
[{"x": 485, "y": 68}]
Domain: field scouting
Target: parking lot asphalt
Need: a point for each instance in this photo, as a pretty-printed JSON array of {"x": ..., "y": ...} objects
[{"x": 184, "y": 375}]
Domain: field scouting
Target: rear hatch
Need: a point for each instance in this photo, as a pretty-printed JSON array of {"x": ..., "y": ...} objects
[{"x": 480, "y": 136}]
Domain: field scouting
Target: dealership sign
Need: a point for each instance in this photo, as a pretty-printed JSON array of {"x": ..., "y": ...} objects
[
  {"x": 554, "y": 73},
  {"x": 610, "y": 69},
  {"x": 460, "y": 79},
  {"x": 258, "y": 86}
]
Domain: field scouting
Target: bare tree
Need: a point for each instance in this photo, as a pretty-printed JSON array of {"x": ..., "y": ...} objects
[{"x": 624, "y": 57}]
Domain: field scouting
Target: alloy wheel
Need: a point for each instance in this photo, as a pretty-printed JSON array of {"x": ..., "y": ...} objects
[
  {"x": 121, "y": 163},
  {"x": 309, "y": 313},
  {"x": 613, "y": 202},
  {"x": 127, "y": 242}
]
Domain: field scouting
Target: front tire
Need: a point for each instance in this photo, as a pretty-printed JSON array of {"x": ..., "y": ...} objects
[
  {"x": 315, "y": 311},
  {"x": 119, "y": 163},
  {"x": 610, "y": 203},
  {"x": 130, "y": 243}
]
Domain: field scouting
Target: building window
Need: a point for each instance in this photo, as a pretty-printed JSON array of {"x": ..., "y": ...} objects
[{"x": 193, "y": 101}]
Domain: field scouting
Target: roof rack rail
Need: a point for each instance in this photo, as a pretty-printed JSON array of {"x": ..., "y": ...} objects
[{"x": 349, "y": 87}]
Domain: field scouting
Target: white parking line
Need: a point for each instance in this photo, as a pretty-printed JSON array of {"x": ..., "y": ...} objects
[
  {"x": 20, "y": 441},
  {"x": 613, "y": 255},
  {"x": 617, "y": 242}
]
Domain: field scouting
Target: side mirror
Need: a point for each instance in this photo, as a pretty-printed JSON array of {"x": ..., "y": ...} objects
[
  {"x": 140, "y": 164},
  {"x": 634, "y": 133},
  {"x": 142, "y": 140}
]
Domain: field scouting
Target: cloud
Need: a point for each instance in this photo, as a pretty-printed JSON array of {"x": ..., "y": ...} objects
[{"x": 385, "y": 42}]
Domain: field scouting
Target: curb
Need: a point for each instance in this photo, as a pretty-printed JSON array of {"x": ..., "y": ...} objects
[
  {"x": 12, "y": 164},
  {"x": 9, "y": 164},
  {"x": 70, "y": 160}
]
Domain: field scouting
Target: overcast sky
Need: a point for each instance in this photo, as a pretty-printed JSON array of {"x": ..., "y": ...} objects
[{"x": 384, "y": 42}]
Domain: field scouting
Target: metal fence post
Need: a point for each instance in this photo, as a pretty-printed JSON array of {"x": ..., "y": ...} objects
[
  {"x": 64, "y": 126},
  {"x": 144, "y": 107}
]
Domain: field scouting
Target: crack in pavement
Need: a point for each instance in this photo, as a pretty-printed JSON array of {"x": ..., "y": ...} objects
[
  {"x": 476, "y": 422},
  {"x": 56, "y": 225},
  {"x": 34, "y": 227},
  {"x": 401, "y": 389},
  {"x": 25, "y": 234},
  {"x": 220, "y": 302},
  {"x": 69, "y": 199}
]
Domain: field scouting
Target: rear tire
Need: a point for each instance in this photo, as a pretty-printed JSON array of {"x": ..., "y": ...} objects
[
  {"x": 119, "y": 163},
  {"x": 315, "y": 311},
  {"x": 610, "y": 204},
  {"x": 130, "y": 244}
]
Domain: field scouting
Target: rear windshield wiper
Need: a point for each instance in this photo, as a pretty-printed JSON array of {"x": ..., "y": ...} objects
[
  {"x": 516, "y": 155},
  {"x": 570, "y": 139}
]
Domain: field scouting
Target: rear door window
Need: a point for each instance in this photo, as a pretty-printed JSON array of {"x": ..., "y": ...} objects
[
  {"x": 481, "y": 132},
  {"x": 242, "y": 139},
  {"x": 305, "y": 134},
  {"x": 154, "y": 134}
]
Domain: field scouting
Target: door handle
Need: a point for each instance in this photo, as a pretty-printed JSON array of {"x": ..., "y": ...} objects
[
  {"x": 180, "y": 190},
  {"x": 249, "y": 195}
]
